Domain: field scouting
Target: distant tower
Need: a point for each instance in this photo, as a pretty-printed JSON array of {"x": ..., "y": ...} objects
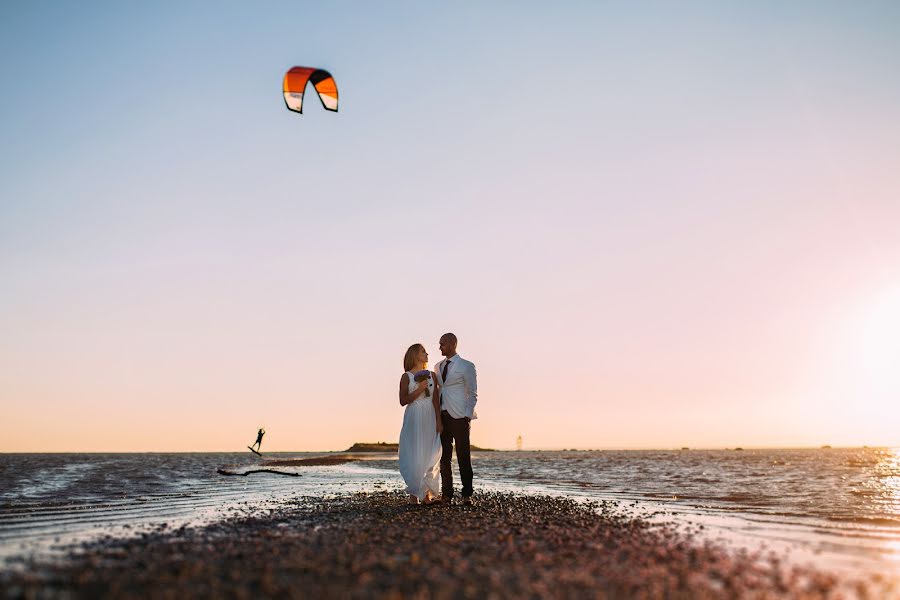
[{"x": 519, "y": 443}]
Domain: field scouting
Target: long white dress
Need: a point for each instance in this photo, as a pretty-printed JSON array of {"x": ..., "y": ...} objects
[{"x": 420, "y": 444}]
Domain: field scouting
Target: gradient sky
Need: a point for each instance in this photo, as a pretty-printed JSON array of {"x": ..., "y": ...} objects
[{"x": 650, "y": 224}]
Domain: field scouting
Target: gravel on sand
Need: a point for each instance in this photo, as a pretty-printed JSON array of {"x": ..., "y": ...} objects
[{"x": 375, "y": 545}]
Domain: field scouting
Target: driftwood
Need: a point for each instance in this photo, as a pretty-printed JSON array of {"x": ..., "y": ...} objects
[{"x": 245, "y": 473}]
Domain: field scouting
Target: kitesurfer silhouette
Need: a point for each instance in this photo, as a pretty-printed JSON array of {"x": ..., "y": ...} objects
[{"x": 259, "y": 437}]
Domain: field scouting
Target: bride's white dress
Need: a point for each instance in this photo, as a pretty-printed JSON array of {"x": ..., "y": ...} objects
[{"x": 420, "y": 445}]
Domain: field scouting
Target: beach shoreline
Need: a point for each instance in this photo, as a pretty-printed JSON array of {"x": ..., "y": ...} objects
[{"x": 375, "y": 545}]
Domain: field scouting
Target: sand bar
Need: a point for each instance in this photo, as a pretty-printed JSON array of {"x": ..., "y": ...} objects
[{"x": 374, "y": 545}]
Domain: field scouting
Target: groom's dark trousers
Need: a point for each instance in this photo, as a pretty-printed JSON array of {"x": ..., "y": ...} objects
[{"x": 455, "y": 430}]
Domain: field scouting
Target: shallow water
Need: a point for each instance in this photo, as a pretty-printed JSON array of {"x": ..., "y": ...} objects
[
  {"x": 51, "y": 502},
  {"x": 836, "y": 507},
  {"x": 854, "y": 485}
]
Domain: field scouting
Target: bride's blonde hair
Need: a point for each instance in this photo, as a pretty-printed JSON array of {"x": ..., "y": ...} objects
[{"x": 411, "y": 357}]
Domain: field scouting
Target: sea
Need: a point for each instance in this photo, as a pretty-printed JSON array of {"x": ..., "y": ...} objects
[{"x": 834, "y": 508}]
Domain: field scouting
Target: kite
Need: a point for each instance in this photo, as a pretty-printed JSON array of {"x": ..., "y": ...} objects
[{"x": 295, "y": 82}]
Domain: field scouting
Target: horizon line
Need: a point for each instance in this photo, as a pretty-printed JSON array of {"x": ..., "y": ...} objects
[{"x": 541, "y": 449}]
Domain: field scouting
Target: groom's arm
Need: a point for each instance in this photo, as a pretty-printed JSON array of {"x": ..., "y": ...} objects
[
  {"x": 471, "y": 391},
  {"x": 436, "y": 402}
]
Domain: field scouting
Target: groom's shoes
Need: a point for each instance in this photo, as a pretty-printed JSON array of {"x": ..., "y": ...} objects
[{"x": 467, "y": 501}]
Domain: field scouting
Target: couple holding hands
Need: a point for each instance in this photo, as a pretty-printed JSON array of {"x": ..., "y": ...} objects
[{"x": 440, "y": 405}]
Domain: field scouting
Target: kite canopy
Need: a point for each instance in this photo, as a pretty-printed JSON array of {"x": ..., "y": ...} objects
[{"x": 295, "y": 82}]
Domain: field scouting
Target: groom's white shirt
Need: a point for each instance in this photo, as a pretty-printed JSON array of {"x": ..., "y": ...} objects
[{"x": 459, "y": 392}]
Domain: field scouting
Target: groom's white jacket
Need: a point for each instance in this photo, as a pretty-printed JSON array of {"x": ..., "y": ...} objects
[{"x": 459, "y": 392}]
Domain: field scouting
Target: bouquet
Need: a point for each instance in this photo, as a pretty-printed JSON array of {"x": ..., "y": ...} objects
[{"x": 423, "y": 376}]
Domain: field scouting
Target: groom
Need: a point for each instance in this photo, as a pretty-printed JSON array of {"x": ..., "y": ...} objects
[{"x": 459, "y": 393}]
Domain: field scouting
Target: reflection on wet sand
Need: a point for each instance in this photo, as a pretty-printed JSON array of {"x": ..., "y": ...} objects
[{"x": 891, "y": 482}]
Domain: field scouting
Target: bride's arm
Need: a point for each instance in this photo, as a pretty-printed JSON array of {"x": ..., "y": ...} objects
[{"x": 405, "y": 396}]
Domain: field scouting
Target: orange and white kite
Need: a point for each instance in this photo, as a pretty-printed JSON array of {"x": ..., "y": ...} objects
[{"x": 295, "y": 82}]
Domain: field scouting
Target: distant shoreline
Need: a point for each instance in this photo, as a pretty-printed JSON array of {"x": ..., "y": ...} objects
[{"x": 385, "y": 447}]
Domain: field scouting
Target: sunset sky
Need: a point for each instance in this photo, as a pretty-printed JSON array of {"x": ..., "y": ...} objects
[{"x": 650, "y": 224}]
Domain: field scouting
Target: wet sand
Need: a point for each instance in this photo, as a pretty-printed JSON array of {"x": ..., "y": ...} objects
[{"x": 374, "y": 545}]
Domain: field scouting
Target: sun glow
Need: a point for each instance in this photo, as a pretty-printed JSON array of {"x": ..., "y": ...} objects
[
  {"x": 879, "y": 348},
  {"x": 860, "y": 382}
]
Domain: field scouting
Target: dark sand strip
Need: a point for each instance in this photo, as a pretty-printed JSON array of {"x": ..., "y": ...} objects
[
  {"x": 317, "y": 461},
  {"x": 374, "y": 545}
]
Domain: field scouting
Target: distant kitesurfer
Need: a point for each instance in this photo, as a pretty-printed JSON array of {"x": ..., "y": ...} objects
[{"x": 259, "y": 437}]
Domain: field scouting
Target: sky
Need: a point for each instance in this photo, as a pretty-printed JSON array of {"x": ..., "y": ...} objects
[{"x": 650, "y": 225}]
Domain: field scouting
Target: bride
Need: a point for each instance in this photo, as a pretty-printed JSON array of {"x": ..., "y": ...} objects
[{"x": 420, "y": 437}]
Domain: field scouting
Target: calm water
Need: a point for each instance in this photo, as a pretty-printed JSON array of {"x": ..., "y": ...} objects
[
  {"x": 839, "y": 485},
  {"x": 837, "y": 506}
]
